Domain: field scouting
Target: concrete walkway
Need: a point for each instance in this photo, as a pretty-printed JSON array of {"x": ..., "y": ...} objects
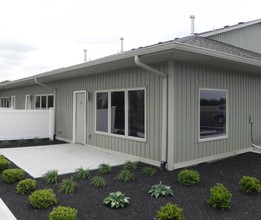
[{"x": 63, "y": 157}]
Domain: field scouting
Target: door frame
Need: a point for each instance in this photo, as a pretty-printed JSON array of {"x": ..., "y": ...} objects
[{"x": 74, "y": 115}]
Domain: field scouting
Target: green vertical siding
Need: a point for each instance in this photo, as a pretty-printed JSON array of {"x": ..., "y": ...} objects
[
  {"x": 247, "y": 37},
  {"x": 244, "y": 94}
]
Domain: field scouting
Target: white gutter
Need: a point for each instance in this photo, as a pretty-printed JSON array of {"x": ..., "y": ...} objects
[
  {"x": 164, "y": 108},
  {"x": 54, "y": 90}
]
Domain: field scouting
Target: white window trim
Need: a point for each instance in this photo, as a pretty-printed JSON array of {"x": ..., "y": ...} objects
[
  {"x": 46, "y": 95},
  {"x": 126, "y": 136},
  {"x": 227, "y": 119},
  {"x": 26, "y": 103},
  {"x": 13, "y": 102}
]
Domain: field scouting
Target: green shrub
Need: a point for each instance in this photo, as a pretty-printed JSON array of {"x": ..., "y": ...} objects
[
  {"x": 160, "y": 190},
  {"x": 63, "y": 213},
  {"x": 129, "y": 165},
  {"x": 5, "y": 143},
  {"x": 250, "y": 184},
  {"x": 148, "y": 171},
  {"x": 26, "y": 186},
  {"x": 116, "y": 200},
  {"x": 220, "y": 197},
  {"x": 188, "y": 177},
  {"x": 4, "y": 163},
  {"x": 51, "y": 177},
  {"x": 104, "y": 168},
  {"x": 170, "y": 211},
  {"x": 42, "y": 198},
  {"x": 22, "y": 142},
  {"x": 98, "y": 182},
  {"x": 125, "y": 176},
  {"x": 68, "y": 186},
  {"x": 37, "y": 140},
  {"x": 81, "y": 174},
  {"x": 12, "y": 175}
]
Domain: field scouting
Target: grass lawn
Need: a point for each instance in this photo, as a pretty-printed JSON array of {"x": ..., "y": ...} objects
[{"x": 88, "y": 200}]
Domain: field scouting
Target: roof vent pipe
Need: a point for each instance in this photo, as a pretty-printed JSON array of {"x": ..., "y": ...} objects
[
  {"x": 192, "y": 17},
  {"x": 85, "y": 55},
  {"x": 122, "y": 39}
]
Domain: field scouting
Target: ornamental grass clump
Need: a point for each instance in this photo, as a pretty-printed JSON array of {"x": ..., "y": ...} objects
[
  {"x": 104, "y": 168},
  {"x": 26, "y": 186},
  {"x": 51, "y": 177},
  {"x": 12, "y": 175},
  {"x": 220, "y": 197},
  {"x": 148, "y": 171},
  {"x": 188, "y": 177},
  {"x": 98, "y": 182},
  {"x": 81, "y": 174},
  {"x": 63, "y": 213},
  {"x": 22, "y": 142},
  {"x": 160, "y": 190},
  {"x": 125, "y": 176},
  {"x": 129, "y": 165},
  {"x": 170, "y": 211},
  {"x": 42, "y": 198},
  {"x": 116, "y": 200},
  {"x": 5, "y": 143},
  {"x": 4, "y": 163},
  {"x": 68, "y": 186},
  {"x": 250, "y": 184}
]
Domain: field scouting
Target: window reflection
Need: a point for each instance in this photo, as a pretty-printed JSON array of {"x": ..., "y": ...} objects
[{"x": 212, "y": 113}]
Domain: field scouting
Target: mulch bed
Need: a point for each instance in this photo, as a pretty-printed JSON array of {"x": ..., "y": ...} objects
[
  {"x": 29, "y": 142},
  {"x": 193, "y": 200}
]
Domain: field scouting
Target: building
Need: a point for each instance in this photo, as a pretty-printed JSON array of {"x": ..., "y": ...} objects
[{"x": 182, "y": 102}]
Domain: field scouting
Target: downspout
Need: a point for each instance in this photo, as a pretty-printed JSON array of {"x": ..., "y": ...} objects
[
  {"x": 54, "y": 90},
  {"x": 164, "y": 109}
]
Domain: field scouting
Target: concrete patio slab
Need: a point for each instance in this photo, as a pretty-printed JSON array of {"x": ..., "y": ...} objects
[{"x": 63, "y": 157}]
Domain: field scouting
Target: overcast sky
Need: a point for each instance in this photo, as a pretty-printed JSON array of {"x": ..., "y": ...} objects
[{"x": 41, "y": 35}]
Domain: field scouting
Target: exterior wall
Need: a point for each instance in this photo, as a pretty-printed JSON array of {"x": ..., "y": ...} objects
[
  {"x": 243, "y": 101},
  {"x": 126, "y": 78},
  {"x": 247, "y": 37},
  {"x": 21, "y": 92}
]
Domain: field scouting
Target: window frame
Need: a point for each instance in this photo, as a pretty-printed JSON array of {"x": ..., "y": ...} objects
[
  {"x": 46, "y": 96},
  {"x": 225, "y": 136},
  {"x": 126, "y": 114},
  {"x": 7, "y": 103}
]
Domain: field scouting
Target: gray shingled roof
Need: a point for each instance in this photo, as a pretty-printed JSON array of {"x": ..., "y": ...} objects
[{"x": 214, "y": 45}]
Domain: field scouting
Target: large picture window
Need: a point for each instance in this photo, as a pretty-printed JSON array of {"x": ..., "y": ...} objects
[
  {"x": 212, "y": 114},
  {"x": 121, "y": 113}
]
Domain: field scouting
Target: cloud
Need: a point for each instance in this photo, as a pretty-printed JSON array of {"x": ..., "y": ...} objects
[{"x": 13, "y": 54}]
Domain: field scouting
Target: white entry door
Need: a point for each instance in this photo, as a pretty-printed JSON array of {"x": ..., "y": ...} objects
[
  {"x": 28, "y": 102},
  {"x": 80, "y": 103}
]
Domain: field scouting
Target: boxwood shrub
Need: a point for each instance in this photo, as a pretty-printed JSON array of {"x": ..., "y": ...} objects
[
  {"x": 188, "y": 177},
  {"x": 220, "y": 197},
  {"x": 12, "y": 175},
  {"x": 250, "y": 184},
  {"x": 26, "y": 186},
  {"x": 63, "y": 213},
  {"x": 170, "y": 211},
  {"x": 42, "y": 198},
  {"x": 4, "y": 163}
]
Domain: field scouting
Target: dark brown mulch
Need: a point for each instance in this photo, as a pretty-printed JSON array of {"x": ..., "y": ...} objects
[
  {"x": 193, "y": 200},
  {"x": 29, "y": 142}
]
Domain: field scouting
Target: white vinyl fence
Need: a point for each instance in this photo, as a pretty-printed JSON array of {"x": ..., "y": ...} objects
[{"x": 26, "y": 124}]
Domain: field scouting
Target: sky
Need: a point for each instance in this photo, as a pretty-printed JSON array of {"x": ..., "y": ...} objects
[{"x": 37, "y": 36}]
